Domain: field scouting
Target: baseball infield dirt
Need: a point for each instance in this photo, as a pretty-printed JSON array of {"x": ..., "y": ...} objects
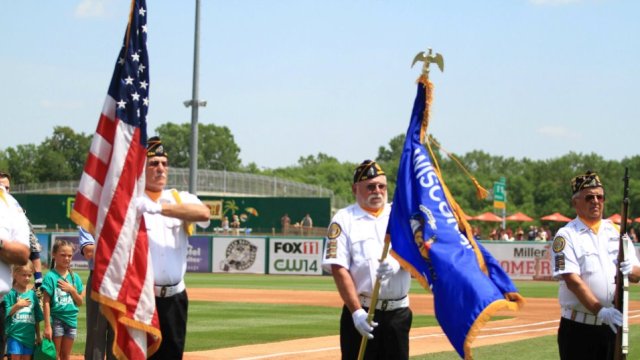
[{"x": 538, "y": 318}]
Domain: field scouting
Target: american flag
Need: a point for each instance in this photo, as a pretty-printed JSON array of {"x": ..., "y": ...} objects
[{"x": 114, "y": 175}]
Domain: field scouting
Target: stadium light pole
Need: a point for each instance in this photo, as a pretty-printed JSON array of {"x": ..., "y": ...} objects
[{"x": 195, "y": 104}]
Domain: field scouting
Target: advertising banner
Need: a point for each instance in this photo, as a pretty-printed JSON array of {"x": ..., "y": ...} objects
[
  {"x": 292, "y": 256},
  {"x": 523, "y": 260},
  {"x": 199, "y": 254},
  {"x": 239, "y": 255}
]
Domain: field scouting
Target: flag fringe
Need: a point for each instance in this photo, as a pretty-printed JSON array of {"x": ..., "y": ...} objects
[
  {"x": 115, "y": 313},
  {"x": 486, "y": 315},
  {"x": 82, "y": 221}
]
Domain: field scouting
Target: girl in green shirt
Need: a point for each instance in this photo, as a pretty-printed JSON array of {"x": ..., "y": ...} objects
[
  {"x": 62, "y": 292},
  {"x": 22, "y": 322}
]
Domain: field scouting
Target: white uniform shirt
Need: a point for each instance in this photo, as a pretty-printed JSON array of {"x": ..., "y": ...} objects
[
  {"x": 14, "y": 226},
  {"x": 576, "y": 249},
  {"x": 355, "y": 242},
  {"x": 168, "y": 241}
]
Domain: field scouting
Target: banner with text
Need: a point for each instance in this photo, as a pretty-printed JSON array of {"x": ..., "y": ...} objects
[
  {"x": 295, "y": 256},
  {"x": 523, "y": 260}
]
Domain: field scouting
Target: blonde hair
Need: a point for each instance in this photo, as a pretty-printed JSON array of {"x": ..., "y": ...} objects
[{"x": 26, "y": 267}]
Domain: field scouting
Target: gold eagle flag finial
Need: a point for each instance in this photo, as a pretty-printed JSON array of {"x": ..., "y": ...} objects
[{"x": 429, "y": 58}]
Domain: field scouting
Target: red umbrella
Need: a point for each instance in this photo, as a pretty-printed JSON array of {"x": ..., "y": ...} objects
[
  {"x": 518, "y": 217},
  {"x": 488, "y": 216},
  {"x": 637, "y": 219},
  {"x": 556, "y": 217},
  {"x": 617, "y": 218}
]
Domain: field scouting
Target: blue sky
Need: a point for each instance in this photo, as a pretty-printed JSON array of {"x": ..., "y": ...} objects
[{"x": 291, "y": 78}]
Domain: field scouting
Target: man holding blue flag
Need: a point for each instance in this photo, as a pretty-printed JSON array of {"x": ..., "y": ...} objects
[{"x": 356, "y": 238}]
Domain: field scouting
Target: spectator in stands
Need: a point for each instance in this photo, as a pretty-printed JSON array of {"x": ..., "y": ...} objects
[
  {"x": 476, "y": 233},
  {"x": 632, "y": 235},
  {"x": 225, "y": 224},
  {"x": 533, "y": 232},
  {"x": 235, "y": 224},
  {"x": 519, "y": 234},
  {"x": 307, "y": 224},
  {"x": 285, "y": 221}
]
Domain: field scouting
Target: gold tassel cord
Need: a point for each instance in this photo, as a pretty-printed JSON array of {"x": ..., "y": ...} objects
[{"x": 481, "y": 192}]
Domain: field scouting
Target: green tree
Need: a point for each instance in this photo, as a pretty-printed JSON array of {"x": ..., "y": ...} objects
[
  {"x": 21, "y": 162},
  {"x": 62, "y": 156},
  {"x": 217, "y": 148}
]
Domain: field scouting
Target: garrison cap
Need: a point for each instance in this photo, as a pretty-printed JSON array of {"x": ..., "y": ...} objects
[
  {"x": 587, "y": 180},
  {"x": 155, "y": 147},
  {"x": 367, "y": 170}
]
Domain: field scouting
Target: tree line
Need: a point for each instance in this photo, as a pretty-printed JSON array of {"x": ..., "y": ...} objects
[{"x": 535, "y": 187}]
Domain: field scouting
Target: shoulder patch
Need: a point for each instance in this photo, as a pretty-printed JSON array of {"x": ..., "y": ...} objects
[
  {"x": 558, "y": 244},
  {"x": 334, "y": 231}
]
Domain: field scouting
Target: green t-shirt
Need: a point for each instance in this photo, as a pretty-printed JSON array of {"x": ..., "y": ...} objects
[
  {"x": 22, "y": 325},
  {"x": 61, "y": 304}
]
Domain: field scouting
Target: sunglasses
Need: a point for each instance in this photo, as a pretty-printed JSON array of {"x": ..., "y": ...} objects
[
  {"x": 373, "y": 187},
  {"x": 592, "y": 197},
  {"x": 155, "y": 163}
]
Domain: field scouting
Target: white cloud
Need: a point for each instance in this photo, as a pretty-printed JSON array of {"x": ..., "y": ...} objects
[
  {"x": 558, "y": 132},
  {"x": 93, "y": 9}
]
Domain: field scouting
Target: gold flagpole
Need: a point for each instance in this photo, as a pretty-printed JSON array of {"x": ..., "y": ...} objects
[
  {"x": 374, "y": 298},
  {"x": 427, "y": 58}
]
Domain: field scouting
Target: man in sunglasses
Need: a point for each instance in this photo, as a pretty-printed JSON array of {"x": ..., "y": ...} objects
[
  {"x": 585, "y": 253},
  {"x": 169, "y": 216},
  {"x": 354, "y": 246}
]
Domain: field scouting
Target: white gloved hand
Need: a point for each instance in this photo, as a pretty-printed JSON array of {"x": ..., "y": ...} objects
[
  {"x": 610, "y": 316},
  {"x": 145, "y": 205},
  {"x": 360, "y": 322},
  {"x": 626, "y": 267},
  {"x": 385, "y": 270}
]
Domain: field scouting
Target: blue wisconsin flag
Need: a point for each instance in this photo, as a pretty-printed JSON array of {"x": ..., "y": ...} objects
[{"x": 432, "y": 240}]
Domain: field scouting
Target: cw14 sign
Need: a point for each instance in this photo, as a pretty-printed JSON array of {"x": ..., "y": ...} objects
[{"x": 295, "y": 256}]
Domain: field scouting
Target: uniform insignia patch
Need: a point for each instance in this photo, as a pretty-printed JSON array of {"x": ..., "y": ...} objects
[
  {"x": 558, "y": 244},
  {"x": 332, "y": 249},
  {"x": 559, "y": 264},
  {"x": 334, "y": 231}
]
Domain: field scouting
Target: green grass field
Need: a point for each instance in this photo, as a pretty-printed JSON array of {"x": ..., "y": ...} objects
[{"x": 214, "y": 325}]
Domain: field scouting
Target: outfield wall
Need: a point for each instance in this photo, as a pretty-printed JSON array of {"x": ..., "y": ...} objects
[{"x": 289, "y": 255}]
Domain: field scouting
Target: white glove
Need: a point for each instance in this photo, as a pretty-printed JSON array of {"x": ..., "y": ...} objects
[
  {"x": 145, "y": 205},
  {"x": 626, "y": 267},
  {"x": 360, "y": 322},
  {"x": 385, "y": 270},
  {"x": 610, "y": 316}
]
